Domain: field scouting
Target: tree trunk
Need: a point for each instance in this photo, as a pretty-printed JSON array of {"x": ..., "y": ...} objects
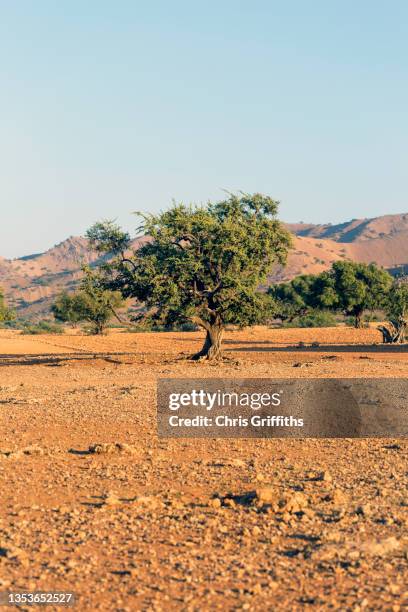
[
  {"x": 357, "y": 319},
  {"x": 394, "y": 332},
  {"x": 98, "y": 328},
  {"x": 386, "y": 334},
  {"x": 212, "y": 344},
  {"x": 401, "y": 331}
]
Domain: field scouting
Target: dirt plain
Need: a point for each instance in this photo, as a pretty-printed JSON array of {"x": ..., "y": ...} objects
[{"x": 93, "y": 502}]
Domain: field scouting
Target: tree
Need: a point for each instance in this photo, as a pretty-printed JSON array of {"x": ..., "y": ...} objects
[
  {"x": 202, "y": 264},
  {"x": 69, "y": 308},
  {"x": 5, "y": 313},
  {"x": 98, "y": 304},
  {"x": 395, "y": 330},
  {"x": 294, "y": 298},
  {"x": 348, "y": 286},
  {"x": 353, "y": 288},
  {"x": 92, "y": 303}
]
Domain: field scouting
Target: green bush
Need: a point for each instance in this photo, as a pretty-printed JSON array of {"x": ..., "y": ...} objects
[
  {"x": 318, "y": 318},
  {"x": 151, "y": 327},
  {"x": 43, "y": 327},
  {"x": 140, "y": 329}
]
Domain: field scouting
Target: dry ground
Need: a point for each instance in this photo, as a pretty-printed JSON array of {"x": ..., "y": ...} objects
[{"x": 159, "y": 524}]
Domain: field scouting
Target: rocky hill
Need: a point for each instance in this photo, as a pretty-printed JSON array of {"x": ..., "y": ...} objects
[
  {"x": 32, "y": 282},
  {"x": 383, "y": 240},
  {"x": 354, "y": 230}
]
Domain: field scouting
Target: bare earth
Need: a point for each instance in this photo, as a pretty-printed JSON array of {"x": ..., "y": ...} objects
[{"x": 92, "y": 501}]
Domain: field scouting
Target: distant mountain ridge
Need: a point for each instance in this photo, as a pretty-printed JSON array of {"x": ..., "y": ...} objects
[
  {"x": 356, "y": 229},
  {"x": 383, "y": 240},
  {"x": 32, "y": 282}
]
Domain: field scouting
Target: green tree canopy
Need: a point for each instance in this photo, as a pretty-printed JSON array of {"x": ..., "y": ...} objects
[
  {"x": 348, "y": 286},
  {"x": 93, "y": 303},
  {"x": 296, "y": 297},
  {"x": 69, "y": 307},
  {"x": 99, "y": 304},
  {"x": 201, "y": 263},
  {"x": 353, "y": 287}
]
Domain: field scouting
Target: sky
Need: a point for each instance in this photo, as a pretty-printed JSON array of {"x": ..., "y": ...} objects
[{"x": 109, "y": 107}]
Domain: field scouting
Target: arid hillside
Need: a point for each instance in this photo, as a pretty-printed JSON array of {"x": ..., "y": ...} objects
[
  {"x": 313, "y": 255},
  {"x": 356, "y": 229},
  {"x": 383, "y": 240},
  {"x": 32, "y": 282}
]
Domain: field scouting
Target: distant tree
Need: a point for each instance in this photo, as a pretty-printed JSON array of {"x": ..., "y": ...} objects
[
  {"x": 203, "y": 264},
  {"x": 6, "y": 314},
  {"x": 98, "y": 304},
  {"x": 267, "y": 308},
  {"x": 395, "y": 329},
  {"x": 295, "y": 298},
  {"x": 353, "y": 287},
  {"x": 92, "y": 303},
  {"x": 349, "y": 287},
  {"x": 69, "y": 308}
]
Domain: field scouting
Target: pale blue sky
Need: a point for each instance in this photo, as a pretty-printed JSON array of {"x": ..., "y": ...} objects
[{"x": 112, "y": 106}]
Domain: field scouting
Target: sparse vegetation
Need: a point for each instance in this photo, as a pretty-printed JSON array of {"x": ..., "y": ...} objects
[{"x": 42, "y": 327}]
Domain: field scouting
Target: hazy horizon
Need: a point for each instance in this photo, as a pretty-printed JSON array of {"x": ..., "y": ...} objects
[{"x": 113, "y": 108}]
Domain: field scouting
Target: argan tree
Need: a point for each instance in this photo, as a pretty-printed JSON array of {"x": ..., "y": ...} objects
[
  {"x": 92, "y": 303},
  {"x": 100, "y": 305},
  {"x": 295, "y": 298},
  {"x": 5, "y": 313},
  {"x": 69, "y": 307},
  {"x": 395, "y": 329},
  {"x": 353, "y": 287},
  {"x": 202, "y": 264}
]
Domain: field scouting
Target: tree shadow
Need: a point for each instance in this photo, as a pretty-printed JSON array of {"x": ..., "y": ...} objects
[{"x": 61, "y": 359}]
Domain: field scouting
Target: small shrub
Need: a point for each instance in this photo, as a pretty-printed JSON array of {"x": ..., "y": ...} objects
[
  {"x": 143, "y": 327},
  {"x": 187, "y": 327},
  {"x": 149, "y": 327},
  {"x": 318, "y": 318},
  {"x": 43, "y": 327}
]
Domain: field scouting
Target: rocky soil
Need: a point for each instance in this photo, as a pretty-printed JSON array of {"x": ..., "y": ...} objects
[{"x": 92, "y": 501}]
